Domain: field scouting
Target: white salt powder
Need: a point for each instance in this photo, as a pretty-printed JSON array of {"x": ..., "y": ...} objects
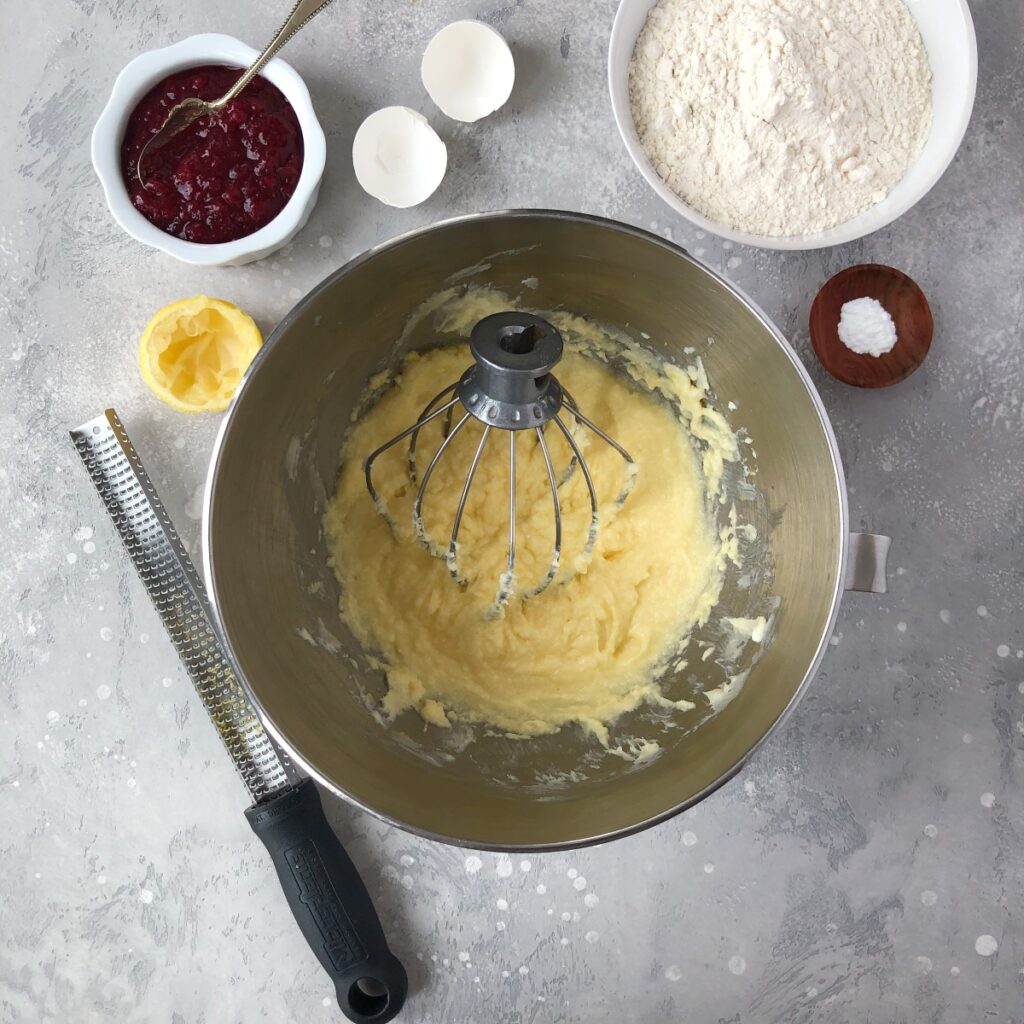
[{"x": 866, "y": 328}]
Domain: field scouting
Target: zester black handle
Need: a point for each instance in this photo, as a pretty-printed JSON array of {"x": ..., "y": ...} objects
[{"x": 330, "y": 903}]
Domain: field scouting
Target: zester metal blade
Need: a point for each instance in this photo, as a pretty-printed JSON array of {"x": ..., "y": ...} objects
[{"x": 175, "y": 589}]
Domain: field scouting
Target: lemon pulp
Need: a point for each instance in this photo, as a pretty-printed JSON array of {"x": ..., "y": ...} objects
[{"x": 194, "y": 352}]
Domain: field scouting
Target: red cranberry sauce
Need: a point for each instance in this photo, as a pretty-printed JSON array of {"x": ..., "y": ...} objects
[{"x": 226, "y": 175}]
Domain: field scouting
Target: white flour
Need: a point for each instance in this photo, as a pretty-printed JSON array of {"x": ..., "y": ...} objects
[{"x": 781, "y": 117}]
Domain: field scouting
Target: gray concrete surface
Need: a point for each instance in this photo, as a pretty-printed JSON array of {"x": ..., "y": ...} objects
[{"x": 846, "y": 875}]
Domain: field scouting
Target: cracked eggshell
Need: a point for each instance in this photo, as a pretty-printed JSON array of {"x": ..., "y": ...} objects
[
  {"x": 398, "y": 158},
  {"x": 468, "y": 70}
]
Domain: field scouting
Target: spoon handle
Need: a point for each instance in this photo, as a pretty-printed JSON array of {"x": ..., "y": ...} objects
[{"x": 301, "y": 14}]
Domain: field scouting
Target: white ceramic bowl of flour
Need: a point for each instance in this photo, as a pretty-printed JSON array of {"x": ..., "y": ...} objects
[{"x": 948, "y": 35}]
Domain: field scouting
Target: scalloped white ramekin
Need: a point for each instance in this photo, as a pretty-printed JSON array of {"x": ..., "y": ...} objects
[{"x": 136, "y": 80}]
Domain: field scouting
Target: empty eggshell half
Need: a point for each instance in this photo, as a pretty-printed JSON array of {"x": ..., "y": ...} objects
[
  {"x": 398, "y": 158},
  {"x": 468, "y": 70}
]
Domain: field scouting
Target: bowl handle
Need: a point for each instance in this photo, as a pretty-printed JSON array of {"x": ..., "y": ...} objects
[{"x": 865, "y": 563}]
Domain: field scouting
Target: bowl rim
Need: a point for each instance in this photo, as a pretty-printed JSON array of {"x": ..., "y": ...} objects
[
  {"x": 839, "y": 234},
  {"x": 141, "y": 74},
  {"x": 210, "y": 577}
]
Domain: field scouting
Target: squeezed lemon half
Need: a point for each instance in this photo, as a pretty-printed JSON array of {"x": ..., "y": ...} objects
[{"x": 194, "y": 352}]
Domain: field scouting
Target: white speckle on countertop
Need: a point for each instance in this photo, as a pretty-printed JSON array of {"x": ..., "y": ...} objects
[
  {"x": 673, "y": 972},
  {"x": 689, "y": 839},
  {"x": 194, "y": 505},
  {"x": 988, "y": 799},
  {"x": 985, "y": 945},
  {"x": 103, "y": 691},
  {"x": 737, "y": 965},
  {"x": 929, "y": 898},
  {"x": 473, "y": 864}
]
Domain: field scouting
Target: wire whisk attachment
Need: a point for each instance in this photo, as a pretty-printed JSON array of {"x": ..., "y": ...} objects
[{"x": 509, "y": 387}]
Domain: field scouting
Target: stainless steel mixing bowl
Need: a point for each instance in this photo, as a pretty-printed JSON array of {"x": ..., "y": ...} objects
[{"x": 276, "y": 462}]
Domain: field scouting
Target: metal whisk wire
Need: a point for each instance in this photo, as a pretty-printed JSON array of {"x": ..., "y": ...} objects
[{"x": 510, "y": 386}]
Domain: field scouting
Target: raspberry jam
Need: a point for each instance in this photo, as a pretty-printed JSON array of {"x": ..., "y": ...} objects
[{"x": 226, "y": 175}]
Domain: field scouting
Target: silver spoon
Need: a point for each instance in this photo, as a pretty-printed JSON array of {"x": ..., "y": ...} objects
[{"x": 184, "y": 113}]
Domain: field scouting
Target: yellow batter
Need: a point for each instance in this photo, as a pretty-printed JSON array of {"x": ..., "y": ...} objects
[{"x": 592, "y": 645}]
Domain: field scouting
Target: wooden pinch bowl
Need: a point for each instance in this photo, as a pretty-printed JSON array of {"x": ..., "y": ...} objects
[{"x": 901, "y": 298}]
